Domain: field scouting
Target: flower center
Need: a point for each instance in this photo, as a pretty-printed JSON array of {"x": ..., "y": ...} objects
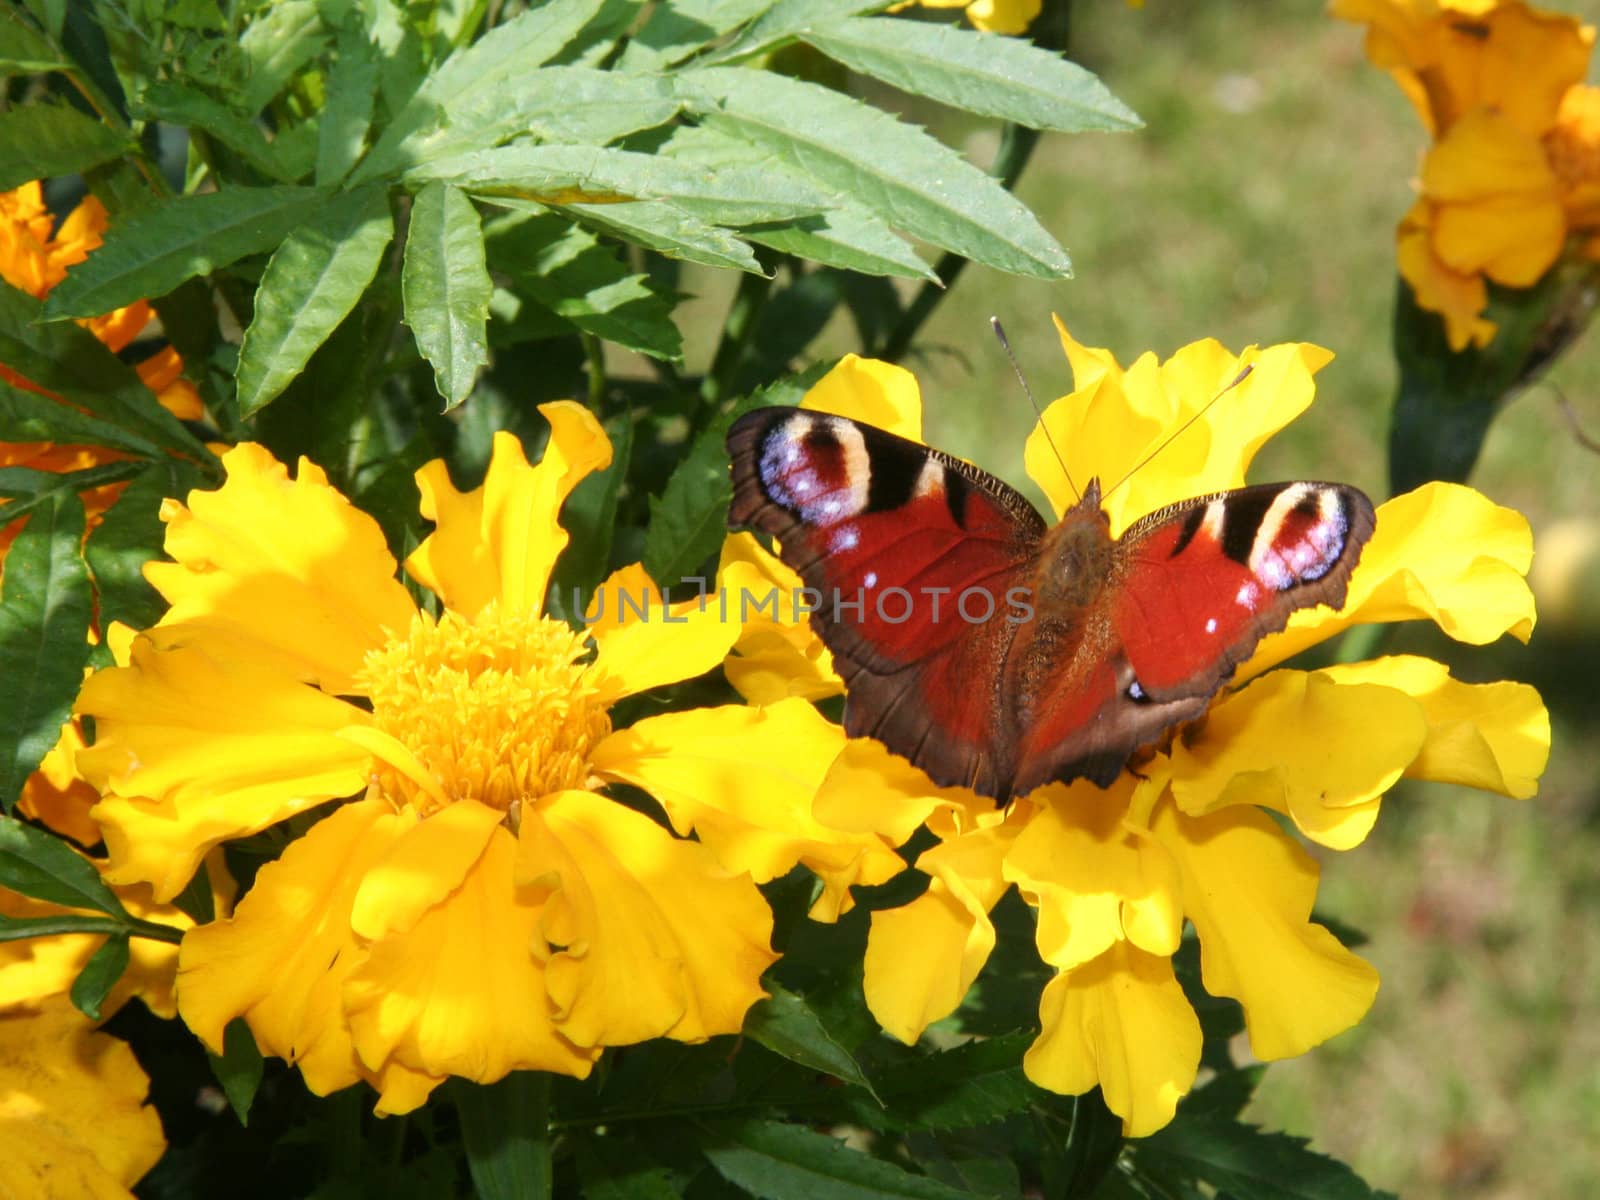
[
  {"x": 496, "y": 709},
  {"x": 1573, "y": 144}
]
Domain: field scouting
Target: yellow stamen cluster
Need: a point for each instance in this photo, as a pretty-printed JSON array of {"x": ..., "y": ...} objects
[{"x": 495, "y": 709}]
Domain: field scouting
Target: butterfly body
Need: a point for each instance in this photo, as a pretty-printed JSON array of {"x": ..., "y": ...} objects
[{"x": 998, "y": 653}]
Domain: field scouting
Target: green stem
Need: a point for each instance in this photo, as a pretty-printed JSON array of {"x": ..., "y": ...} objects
[
  {"x": 1016, "y": 147},
  {"x": 737, "y": 331},
  {"x": 506, "y": 1128},
  {"x": 594, "y": 354}
]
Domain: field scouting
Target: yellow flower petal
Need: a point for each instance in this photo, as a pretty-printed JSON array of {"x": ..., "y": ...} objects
[
  {"x": 57, "y": 796},
  {"x": 1249, "y": 890},
  {"x": 1095, "y": 877},
  {"x": 203, "y": 738},
  {"x": 869, "y": 390},
  {"x": 743, "y": 780},
  {"x": 1121, "y": 1022},
  {"x": 1442, "y": 552},
  {"x": 281, "y": 961},
  {"x": 72, "y": 1115},
  {"x": 508, "y": 551},
  {"x": 922, "y": 957},
  {"x": 426, "y": 863},
  {"x": 775, "y": 656},
  {"x": 1003, "y": 16},
  {"x": 1494, "y": 736},
  {"x": 292, "y": 561},
  {"x": 869, "y": 790},
  {"x": 649, "y": 936},
  {"x": 462, "y": 992},
  {"x": 1117, "y": 420},
  {"x": 1320, "y": 751},
  {"x": 1459, "y": 297}
]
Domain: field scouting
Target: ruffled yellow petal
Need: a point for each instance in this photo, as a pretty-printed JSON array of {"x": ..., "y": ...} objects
[
  {"x": 1118, "y": 421},
  {"x": 462, "y": 992},
  {"x": 1494, "y": 736},
  {"x": 1003, "y": 16},
  {"x": 1512, "y": 59},
  {"x": 73, "y": 1119},
  {"x": 1459, "y": 297},
  {"x": 57, "y": 796},
  {"x": 282, "y": 960},
  {"x": 203, "y": 738},
  {"x": 1319, "y": 750},
  {"x": 1096, "y": 877},
  {"x": 501, "y": 541},
  {"x": 867, "y": 789},
  {"x": 775, "y": 656},
  {"x": 426, "y": 863},
  {"x": 649, "y": 936},
  {"x": 742, "y": 780},
  {"x": 1442, "y": 552},
  {"x": 292, "y": 561},
  {"x": 867, "y": 389},
  {"x": 922, "y": 957},
  {"x": 644, "y": 642},
  {"x": 1249, "y": 890},
  {"x": 1121, "y": 1022}
]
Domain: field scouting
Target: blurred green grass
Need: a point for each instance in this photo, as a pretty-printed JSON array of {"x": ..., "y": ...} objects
[{"x": 1258, "y": 206}]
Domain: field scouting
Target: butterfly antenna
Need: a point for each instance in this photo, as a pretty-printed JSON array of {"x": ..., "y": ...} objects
[
  {"x": 1000, "y": 333},
  {"x": 1178, "y": 432}
]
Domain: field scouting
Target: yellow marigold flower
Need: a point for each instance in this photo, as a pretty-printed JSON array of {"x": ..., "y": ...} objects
[
  {"x": 1515, "y": 168},
  {"x": 481, "y": 906},
  {"x": 1115, "y": 873},
  {"x": 72, "y": 1113},
  {"x": 993, "y": 16}
]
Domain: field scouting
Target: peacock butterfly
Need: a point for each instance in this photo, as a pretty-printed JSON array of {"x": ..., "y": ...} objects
[{"x": 1000, "y": 654}]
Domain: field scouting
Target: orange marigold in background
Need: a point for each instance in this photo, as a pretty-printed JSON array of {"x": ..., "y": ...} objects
[
  {"x": 1512, "y": 180},
  {"x": 34, "y": 260}
]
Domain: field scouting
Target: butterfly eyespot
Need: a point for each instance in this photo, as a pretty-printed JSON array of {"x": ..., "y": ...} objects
[{"x": 1137, "y": 694}]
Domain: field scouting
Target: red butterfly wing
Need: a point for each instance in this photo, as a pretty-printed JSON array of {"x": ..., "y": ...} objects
[{"x": 910, "y": 554}]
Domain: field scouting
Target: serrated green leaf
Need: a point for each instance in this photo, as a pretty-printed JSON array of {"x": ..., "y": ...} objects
[
  {"x": 45, "y": 608},
  {"x": 785, "y": 1024},
  {"x": 560, "y": 175},
  {"x": 788, "y": 1162},
  {"x": 41, "y": 140},
  {"x": 99, "y": 975},
  {"x": 238, "y": 1069},
  {"x": 474, "y": 78},
  {"x": 564, "y": 269},
  {"x": 675, "y": 31},
  {"x": 128, "y": 536},
  {"x": 310, "y": 285},
  {"x": 347, "y": 116},
  {"x": 446, "y": 288},
  {"x": 155, "y": 249},
  {"x": 29, "y": 417},
  {"x": 973, "y": 1084},
  {"x": 608, "y": 1172},
  {"x": 183, "y": 106},
  {"x": 23, "y": 49},
  {"x": 787, "y": 18},
  {"x": 27, "y": 489},
  {"x": 994, "y": 76},
  {"x": 1246, "y": 1162},
  {"x": 913, "y": 182},
  {"x": 667, "y": 229},
  {"x": 37, "y": 863},
  {"x": 283, "y": 38},
  {"x": 687, "y": 519}
]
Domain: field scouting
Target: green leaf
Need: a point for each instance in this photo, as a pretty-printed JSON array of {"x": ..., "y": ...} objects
[
  {"x": 16, "y": 929},
  {"x": 1225, "y": 1094},
  {"x": 155, "y": 249},
  {"x": 787, "y": 1162},
  {"x": 788, "y": 18},
  {"x": 347, "y": 116},
  {"x": 687, "y": 520},
  {"x": 41, "y": 140},
  {"x": 667, "y": 229},
  {"x": 27, "y": 489},
  {"x": 100, "y": 975},
  {"x": 446, "y": 287},
  {"x": 1245, "y": 1162},
  {"x": 185, "y": 107},
  {"x": 973, "y": 1084},
  {"x": 505, "y": 1127},
  {"x": 475, "y": 78},
  {"x": 599, "y": 174},
  {"x": 607, "y": 1172},
  {"x": 994, "y": 76},
  {"x": 37, "y": 863},
  {"x": 283, "y": 38},
  {"x": 312, "y": 282},
  {"x": 566, "y": 270},
  {"x": 238, "y": 1068},
  {"x": 29, "y": 417},
  {"x": 785, "y": 1024},
  {"x": 675, "y": 31},
  {"x": 23, "y": 49},
  {"x": 911, "y": 181},
  {"x": 71, "y": 362},
  {"x": 128, "y": 536},
  {"x": 45, "y": 607}
]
